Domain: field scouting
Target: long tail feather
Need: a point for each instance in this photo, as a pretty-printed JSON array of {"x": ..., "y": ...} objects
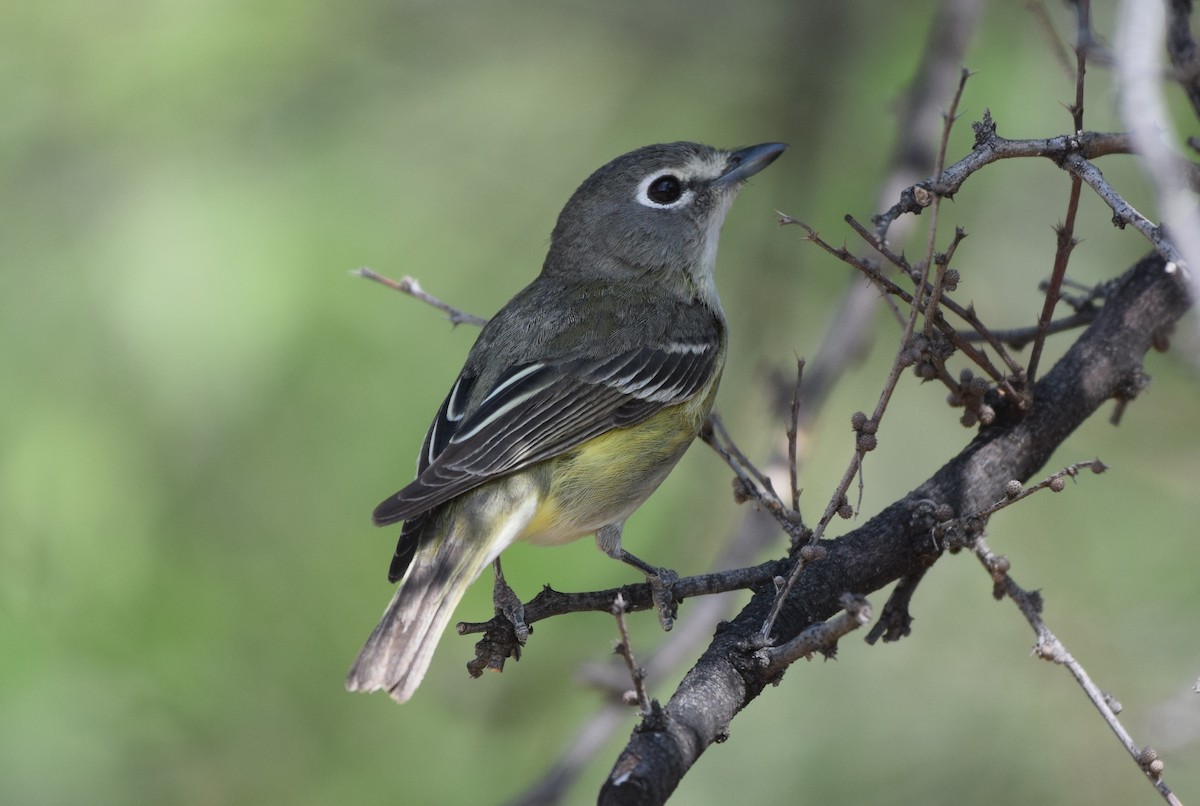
[{"x": 397, "y": 655}]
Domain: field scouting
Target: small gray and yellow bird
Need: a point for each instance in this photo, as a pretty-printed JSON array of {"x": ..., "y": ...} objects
[{"x": 577, "y": 399}]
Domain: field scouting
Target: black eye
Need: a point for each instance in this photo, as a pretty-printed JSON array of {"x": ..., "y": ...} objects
[{"x": 666, "y": 189}]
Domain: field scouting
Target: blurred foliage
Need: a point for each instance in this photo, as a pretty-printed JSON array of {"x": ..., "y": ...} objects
[{"x": 201, "y": 406}]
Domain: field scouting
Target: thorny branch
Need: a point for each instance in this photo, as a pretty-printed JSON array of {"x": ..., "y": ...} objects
[{"x": 896, "y": 543}]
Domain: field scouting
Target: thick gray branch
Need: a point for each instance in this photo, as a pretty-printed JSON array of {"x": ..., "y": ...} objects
[{"x": 1106, "y": 362}]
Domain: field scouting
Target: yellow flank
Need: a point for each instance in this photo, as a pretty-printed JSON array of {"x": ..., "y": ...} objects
[{"x": 606, "y": 478}]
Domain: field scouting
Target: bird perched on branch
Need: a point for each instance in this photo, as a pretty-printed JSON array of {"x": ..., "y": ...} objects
[{"x": 576, "y": 400}]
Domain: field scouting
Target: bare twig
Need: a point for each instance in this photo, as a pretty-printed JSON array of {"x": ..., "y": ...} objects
[
  {"x": 1071, "y": 152},
  {"x": 735, "y": 458},
  {"x": 959, "y": 532},
  {"x": 1055, "y": 482},
  {"x": 549, "y": 602},
  {"x": 1050, "y": 648},
  {"x": 500, "y": 640},
  {"x": 968, "y": 530},
  {"x": 410, "y": 286},
  {"x": 625, "y": 650},
  {"x": 837, "y": 505},
  {"x": 1123, "y": 212},
  {"x": 752, "y": 483},
  {"x": 990, "y": 147},
  {"x": 935, "y": 293},
  {"x": 756, "y": 533},
  {"x": 792, "y": 429},
  {"x": 820, "y": 637},
  {"x": 1065, "y": 233},
  {"x": 968, "y": 315},
  {"x": 1017, "y": 338}
]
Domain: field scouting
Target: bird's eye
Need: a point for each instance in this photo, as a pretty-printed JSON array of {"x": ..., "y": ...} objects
[{"x": 665, "y": 189}]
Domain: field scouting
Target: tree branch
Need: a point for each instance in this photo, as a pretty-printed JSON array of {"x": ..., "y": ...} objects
[
  {"x": 500, "y": 640},
  {"x": 1105, "y": 362},
  {"x": 990, "y": 147}
]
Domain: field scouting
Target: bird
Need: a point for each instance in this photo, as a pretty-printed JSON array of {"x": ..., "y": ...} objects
[{"x": 577, "y": 399}]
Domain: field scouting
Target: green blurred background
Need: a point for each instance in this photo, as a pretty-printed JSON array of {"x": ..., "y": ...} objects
[{"x": 201, "y": 406}]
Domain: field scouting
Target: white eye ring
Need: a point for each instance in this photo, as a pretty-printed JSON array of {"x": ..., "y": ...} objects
[{"x": 643, "y": 192}]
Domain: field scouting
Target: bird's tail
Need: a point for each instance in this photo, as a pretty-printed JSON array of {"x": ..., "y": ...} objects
[{"x": 465, "y": 541}]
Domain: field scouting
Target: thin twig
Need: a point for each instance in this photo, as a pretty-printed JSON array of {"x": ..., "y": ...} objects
[
  {"x": 756, "y": 534},
  {"x": 990, "y": 147},
  {"x": 625, "y": 650},
  {"x": 410, "y": 286},
  {"x": 500, "y": 640},
  {"x": 837, "y": 504},
  {"x": 1065, "y": 234},
  {"x": 752, "y": 483},
  {"x": 1050, "y": 648},
  {"x": 1124, "y": 213},
  {"x": 1071, "y": 152},
  {"x": 734, "y": 453},
  {"x": 968, "y": 315},
  {"x": 1055, "y": 482},
  {"x": 792, "y": 430},
  {"x": 549, "y": 602},
  {"x": 820, "y": 637},
  {"x": 935, "y": 293},
  {"x": 1018, "y": 337}
]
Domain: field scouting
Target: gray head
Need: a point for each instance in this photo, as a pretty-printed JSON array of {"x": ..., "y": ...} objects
[{"x": 655, "y": 212}]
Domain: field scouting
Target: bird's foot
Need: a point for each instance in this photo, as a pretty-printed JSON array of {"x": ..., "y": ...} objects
[
  {"x": 662, "y": 591},
  {"x": 509, "y": 605}
]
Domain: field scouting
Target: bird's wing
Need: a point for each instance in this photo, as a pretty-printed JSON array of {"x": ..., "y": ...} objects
[{"x": 538, "y": 410}]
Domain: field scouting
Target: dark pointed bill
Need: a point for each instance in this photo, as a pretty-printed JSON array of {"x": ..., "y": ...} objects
[{"x": 746, "y": 162}]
